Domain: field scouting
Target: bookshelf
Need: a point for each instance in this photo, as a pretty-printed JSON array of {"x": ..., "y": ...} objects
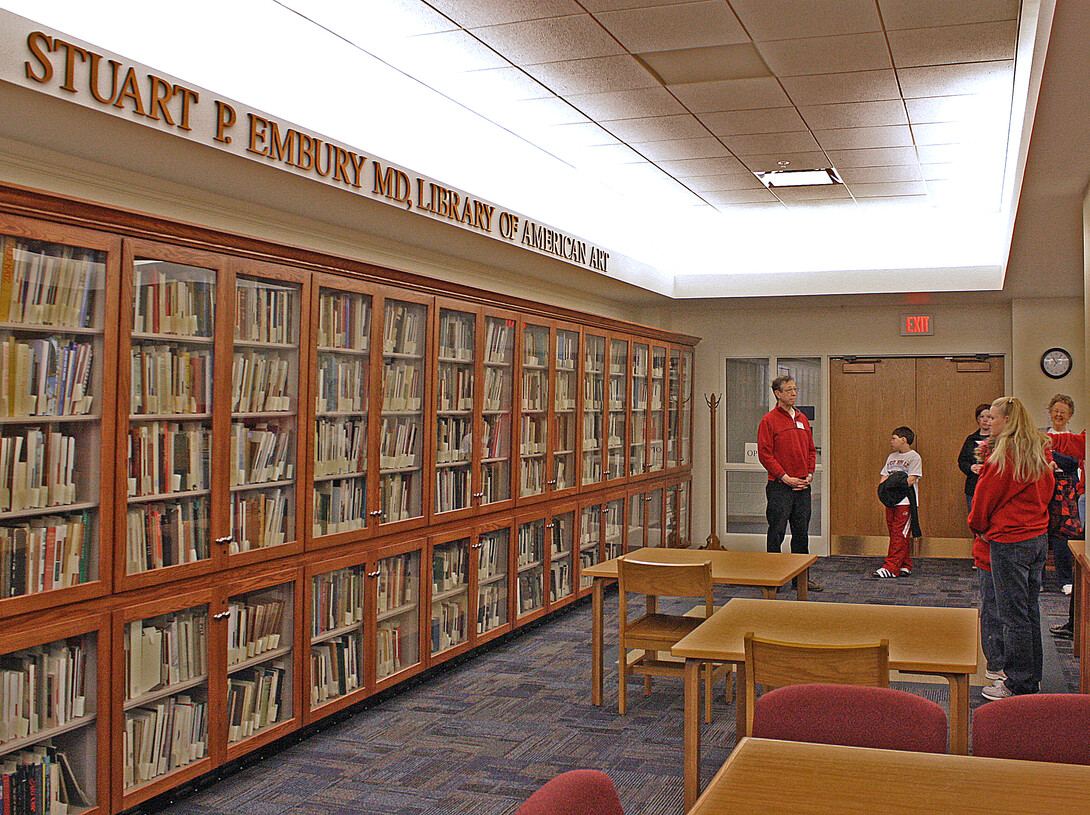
[
  {"x": 653, "y": 514},
  {"x": 534, "y": 412},
  {"x": 656, "y": 460},
  {"x": 496, "y": 412},
  {"x": 561, "y": 531},
  {"x": 594, "y": 370},
  {"x": 685, "y": 401},
  {"x": 338, "y": 640},
  {"x": 397, "y": 615},
  {"x": 455, "y": 387},
  {"x": 493, "y": 549},
  {"x": 676, "y": 515},
  {"x": 673, "y": 430},
  {"x": 530, "y": 567},
  {"x": 590, "y": 541},
  {"x": 637, "y": 443},
  {"x": 636, "y": 533},
  {"x": 449, "y": 594},
  {"x": 613, "y": 528},
  {"x": 564, "y": 449},
  {"x": 617, "y": 398}
]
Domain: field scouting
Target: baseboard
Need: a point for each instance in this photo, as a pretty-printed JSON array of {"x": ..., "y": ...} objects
[{"x": 878, "y": 545}]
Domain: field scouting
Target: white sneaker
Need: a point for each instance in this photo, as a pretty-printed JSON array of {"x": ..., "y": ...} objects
[
  {"x": 905, "y": 571},
  {"x": 994, "y": 675},
  {"x": 997, "y": 691},
  {"x": 883, "y": 573},
  {"x": 1067, "y": 588}
]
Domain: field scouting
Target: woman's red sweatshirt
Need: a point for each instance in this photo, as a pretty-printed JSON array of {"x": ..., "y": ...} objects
[{"x": 1006, "y": 510}]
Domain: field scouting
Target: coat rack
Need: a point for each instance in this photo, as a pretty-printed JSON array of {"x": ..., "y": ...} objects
[{"x": 713, "y": 400}]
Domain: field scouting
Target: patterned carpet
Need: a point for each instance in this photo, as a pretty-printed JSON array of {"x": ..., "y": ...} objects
[{"x": 480, "y": 736}]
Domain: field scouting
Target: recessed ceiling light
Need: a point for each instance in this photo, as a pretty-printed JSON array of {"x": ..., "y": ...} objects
[
  {"x": 799, "y": 178},
  {"x": 713, "y": 63}
]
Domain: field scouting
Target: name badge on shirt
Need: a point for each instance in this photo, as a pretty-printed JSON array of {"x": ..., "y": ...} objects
[{"x": 800, "y": 425}]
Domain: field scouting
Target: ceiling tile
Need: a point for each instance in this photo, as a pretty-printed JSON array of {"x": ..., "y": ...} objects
[
  {"x": 583, "y": 134},
  {"x": 873, "y": 157},
  {"x": 634, "y": 104},
  {"x": 796, "y": 161},
  {"x": 719, "y": 183},
  {"x": 608, "y": 154},
  {"x": 977, "y": 132},
  {"x": 764, "y": 120},
  {"x": 954, "y": 108},
  {"x": 922, "y": 13},
  {"x": 560, "y": 38},
  {"x": 509, "y": 84},
  {"x": 756, "y": 196},
  {"x": 858, "y": 114},
  {"x": 618, "y": 5},
  {"x": 826, "y": 55},
  {"x": 894, "y": 201},
  {"x": 397, "y": 19},
  {"x": 458, "y": 51},
  {"x": 948, "y": 80},
  {"x": 682, "y": 149},
  {"x": 471, "y": 13},
  {"x": 889, "y": 188},
  {"x": 822, "y": 191},
  {"x": 665, "y": 28},
  {"x": 942, "y": 153},
  {"x": 938, "y": 172},
  {"x": 822, "y": 204},
  {"x": 657, "y": 128},
  {"x": 763, "y": 143},
  {"x": 977, "y": 42},
  {"x": 733, "y": 208},
  {"x": 731, "y": 94},
  {"x": 858, "y": 86},
  {"x": 861, "y": 138},
  {"x": 545, "y": 112},
  {"x": 879, "y": 175},
  {"x": 695, "y": 167},
  {"x": 593, "y": 75},
  {"x": 790, "y": 19}
]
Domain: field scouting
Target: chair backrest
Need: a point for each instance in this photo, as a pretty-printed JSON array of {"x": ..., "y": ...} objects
[
  {"x": 1034, "y": 727},
  {"x": 663, "y": 580},
  {"x": 852, "y": 715},
  {"x": 777, "y": 664},
  {"x": 576, "y": 792}
]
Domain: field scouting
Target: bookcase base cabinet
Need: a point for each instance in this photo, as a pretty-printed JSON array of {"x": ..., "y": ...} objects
[{"x": 244, "y": 486}]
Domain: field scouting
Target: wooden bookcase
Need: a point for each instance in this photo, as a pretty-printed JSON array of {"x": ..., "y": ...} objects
[{"x": 327, "y": 478}]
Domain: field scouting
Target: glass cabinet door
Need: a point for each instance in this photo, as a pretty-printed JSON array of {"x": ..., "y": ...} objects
[
  {"x": 673, "y": 421},
  {"x": 562, "y": 537},
  {"x": 397, "y": 618},
  {"x": 637, "y": 452},
  {"x": 531, "y": 566},
  {"x": 336, "y": 634},
  {"x": 684, "y": 533},
  {"x": 670, "y": 517},
  {"x": 492, "y": 565},
  {"x": 449, "y": 594},
  {"x": 614, "y": 528},
  {"x": 401, "y": 436},
  {"x": 454, "y": 414},
  {"x": 341, "y": 387},
  {"x": 654, "y": 517},
  {"x": 53, "y": 343},
  {"x": 590, "y": 541},
  {"x": 656, "y": 453},
  {"x": 594, "y": 371},
  {"x": 169, "y": 468},
  {"x": 637, "y": 519},
  {"x": 499, "y": 360},
  {"x": 564, "y": 407},
  {"x": 618, "y": 370},
  {"x": 686, "y": 406},
  {"x": 264, "y": 414},
  {"x": 534, "y": 437}
]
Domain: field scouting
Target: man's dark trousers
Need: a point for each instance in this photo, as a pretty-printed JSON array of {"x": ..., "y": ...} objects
[{"x": 786, "y": 505}]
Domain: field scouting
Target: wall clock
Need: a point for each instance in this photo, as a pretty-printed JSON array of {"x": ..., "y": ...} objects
[{"x": 1056, "y": 363}]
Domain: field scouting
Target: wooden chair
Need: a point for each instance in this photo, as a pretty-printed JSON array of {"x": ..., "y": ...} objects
[
  {"x": 1034, "y": 727},
  {"x": 654, "y": 632},
  {"x": 576, "y": 792},
  {"x": 776, "y": 664}
]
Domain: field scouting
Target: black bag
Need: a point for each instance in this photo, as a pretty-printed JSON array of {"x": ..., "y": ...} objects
[{"x": 1063, "y": 509}]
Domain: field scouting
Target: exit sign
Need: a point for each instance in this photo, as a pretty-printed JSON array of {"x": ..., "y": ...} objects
[{"x": 917, "y": 325}]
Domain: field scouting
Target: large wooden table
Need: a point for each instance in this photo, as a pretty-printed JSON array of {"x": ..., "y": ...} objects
[
  {"x": 766, "y": 777},
  {"x": 941, "y": 641},
  {"x": 766, "y": 570}
]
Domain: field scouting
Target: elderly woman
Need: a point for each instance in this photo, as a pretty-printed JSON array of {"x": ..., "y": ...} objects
[{"x": 1072, "y": 446}]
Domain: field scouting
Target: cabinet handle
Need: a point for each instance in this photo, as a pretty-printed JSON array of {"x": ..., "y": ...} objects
[
  {"x": 551, "y": 483},
  {"x": 373, "y": 574},
  {"x": 221, "y": 615},
  {"x": 375, "y": 513},
  {"x": 548, "y": 526},
  {"x": 477, "y": 545},
  {"x": 478, "y": 495},
  {"x": 225, "y": 540}
]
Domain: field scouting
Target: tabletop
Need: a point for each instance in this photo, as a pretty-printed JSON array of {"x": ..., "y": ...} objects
[{"x": 736, "y": 568}]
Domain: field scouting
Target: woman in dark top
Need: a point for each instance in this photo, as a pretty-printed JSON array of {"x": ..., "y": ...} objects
[{"x": 967, "y": 459}]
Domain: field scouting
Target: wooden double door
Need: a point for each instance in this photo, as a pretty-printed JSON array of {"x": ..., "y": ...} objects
[{"x": 936, "y": 397}]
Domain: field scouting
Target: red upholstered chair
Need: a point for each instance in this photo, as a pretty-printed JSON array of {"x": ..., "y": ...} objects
[
  {"x": 852, "y": 715},
  {"x": 1034, "y": 727},
  {"x": 577, "y": 792}
]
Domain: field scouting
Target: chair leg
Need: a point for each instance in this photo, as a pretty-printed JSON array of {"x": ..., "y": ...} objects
[
  {"x": 709, "y": 676},
  {"x": 622, "y": 674},
  {"x": 647, "y": 677}
]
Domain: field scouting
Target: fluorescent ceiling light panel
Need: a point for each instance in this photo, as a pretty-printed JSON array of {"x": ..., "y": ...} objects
[{"x": 799, "y": 178}]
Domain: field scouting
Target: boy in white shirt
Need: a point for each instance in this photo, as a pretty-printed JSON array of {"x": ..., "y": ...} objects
[{"x": 899, "y": 518}]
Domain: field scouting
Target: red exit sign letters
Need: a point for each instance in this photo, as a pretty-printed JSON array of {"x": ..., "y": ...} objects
[{"x": 917, "y": 325}]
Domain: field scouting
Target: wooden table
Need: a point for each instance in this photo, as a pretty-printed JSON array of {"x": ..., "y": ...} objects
[
  {"x": 941, "y": 641},
  {"x": 1081, "y": 595},
  {"x": 766, "y": 777},
  {"x": 767, "y": 570}
]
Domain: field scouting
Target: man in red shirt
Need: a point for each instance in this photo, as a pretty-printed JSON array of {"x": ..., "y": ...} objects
[{"x": 785, "y": 447}]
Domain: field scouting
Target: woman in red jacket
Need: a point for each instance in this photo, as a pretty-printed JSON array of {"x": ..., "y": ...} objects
[{"x": 1010, "y": 512}]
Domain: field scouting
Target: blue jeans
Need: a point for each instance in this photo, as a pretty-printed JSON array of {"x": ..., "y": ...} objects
[
  {"x": 991, "y": 627},
  {"x": 1062, "y": 559},
  {"x": 1016, "y": 574}
]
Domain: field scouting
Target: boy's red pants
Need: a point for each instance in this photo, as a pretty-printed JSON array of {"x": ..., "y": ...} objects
[{"x": 898, "y": 520}]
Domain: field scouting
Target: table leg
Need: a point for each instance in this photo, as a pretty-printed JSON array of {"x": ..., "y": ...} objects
[
  {"x": 803, "y": 583},
  {"x": 596, "y": 643},
  {"x": 740, "y": 701},
  {"x": 769, "y": 592},
  {"x": 692, "y": 732},
  {"x": 959, "y": 714}
]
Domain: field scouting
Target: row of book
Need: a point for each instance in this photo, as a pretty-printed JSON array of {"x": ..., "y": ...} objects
[
  {"x": 449, "y": 567},
  {"x": 636, "y": 458},
  {"x": 639, "y": 362},
  {"x": 587, "y": 559},
  {"x": 457, "y": 332},
  {"x": 344, "y": 320},
  {"x": 452, "y": 489},
  {"x": 565, "y": 393},
  {"x": 161, "y": 738},
  {"x": 532, "y": 476},
  {"x": 454, "y": 388},
  {"x": 453, "y": 439},
  {"x": 616, "y": 393},
  {"x": 170, "y": 299},
  {"x": 264, "y": 311},
  {"x": 395, "y": 648},
  {"x": 168, "y": 379},
  {"x": 639, "y": 394},
  {"x": 497, "y": 389},
  {"x": 448, "y": 624},
  {"x": 40, "y": 781},
  {"x": 592, "y": 393},
  {"x": 254, "y": 626},
  {"x": 563, "y": 471},
  {"x": 531, "y": 543},
  {"x": 403, "y": 328},
  {"x": 618, "y": 357},
  {"x": 338, "y": 599},
  {"x": 262, "y": 453},
  {"x": 168, "y": 457},
  {"x": 397, "y": 586},
  {"x": 46, "y": 553},
  {"x": 496, "y": 436},
  {"x": 340, "y": 506},
  {"x": 567, "y": 350},
  {"x": 399, "y": 442},
  {"x": 499, "y": 341},
  {"x": 592, "y": 467},
  {"x": 616, "y": 429},
  {"x": 493, "y": 554},
  {"x": 560, "y": 579},
  {"x": 49, "y": 284},
  {"x": 565, "y": 425},
  {"x": 261, "y": 381},
  {"x": 535, "y": 346},
  {"x": 335, "y": 667},
  {"x": 342, "y": 384},
  {"x": 37, "y": 469},
  {"x": 529, "y": 595},
  {"x": 400, "y": 496},
  {"x": 491, "y": 606},
  {"x": 590, "y": 530},
  {"x": 165, "y": 650},
  {"x": 535, "y": 390},
  {"x": 534, "y": 436},
  {"x": 253, "y": 700},
  {"x": 42, "y": 687},
  {"x": 340, "y": 446},
  {"x": 45, "y": 377},
  {"x": 261, "y": 519},
  {"x": 161, "y": 535},
  {"x": 402, "y": 385},
  {"x": 495, "y": 482}
]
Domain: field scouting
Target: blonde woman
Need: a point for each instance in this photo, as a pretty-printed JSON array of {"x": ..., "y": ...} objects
[{"x": 1010, "y": 512}]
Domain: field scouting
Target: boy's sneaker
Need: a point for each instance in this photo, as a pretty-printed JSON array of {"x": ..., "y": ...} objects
[
  {"x": 993, "y": 675},
  {"x": 1067, "y": 588},
  {"x": 883, "y": 573},
  {"x": 905, "y": 571},
  {"x": 997, "y": 691}
]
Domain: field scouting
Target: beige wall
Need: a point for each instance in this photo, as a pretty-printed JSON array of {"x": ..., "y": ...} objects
[{"x": 1036, "y": 326}]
